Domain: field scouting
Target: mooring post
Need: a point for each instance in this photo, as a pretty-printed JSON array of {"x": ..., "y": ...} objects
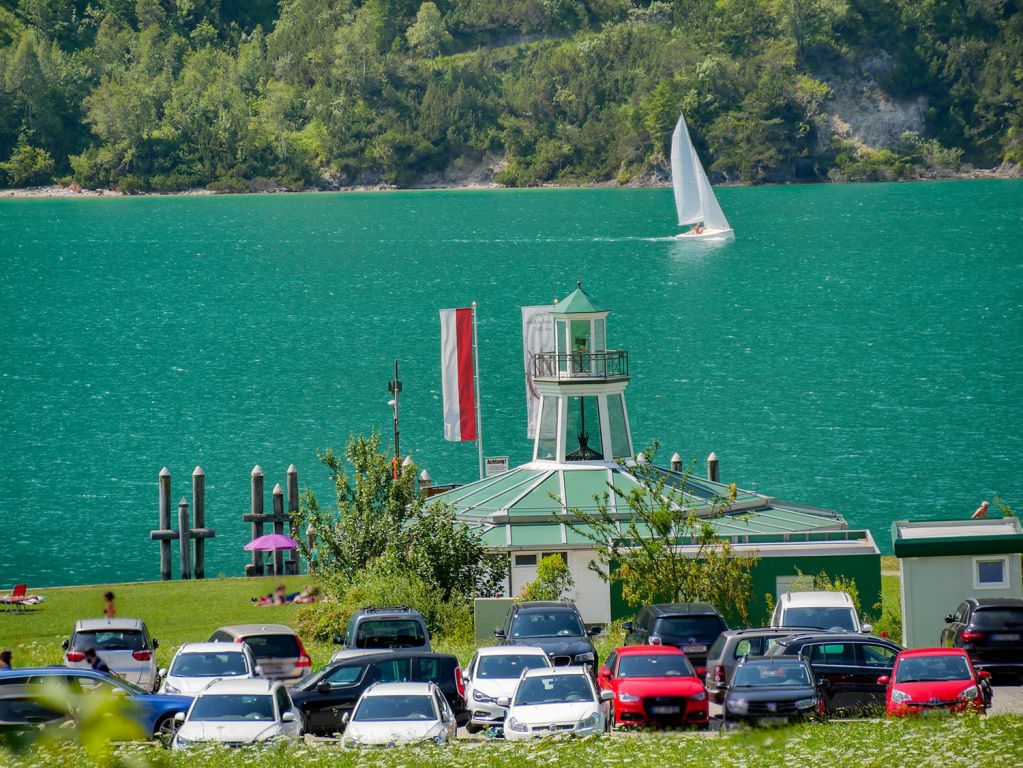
[
  {"x": 183, "y": 539},
  {"x": 425, "y": 481},
  {"x": 165, "y": 524},
  {"x": 257, "y": 516},
  {"x": 676, "y": 462},
  {"x": 199, "y": 507},
  {"x": 713, "y": 472},
  {"x": 296, "y": 564},
  {"x": 278, "y": 500}
]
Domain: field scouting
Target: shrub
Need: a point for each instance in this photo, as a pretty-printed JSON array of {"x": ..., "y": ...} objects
[
  {"x": 553, "y": 580},
  {"x": 228, "y": 184},
  {"x": 28, "y": 166}
]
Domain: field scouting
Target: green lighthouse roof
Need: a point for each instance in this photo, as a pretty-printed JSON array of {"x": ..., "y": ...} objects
[{"x": 578, "y": 302}]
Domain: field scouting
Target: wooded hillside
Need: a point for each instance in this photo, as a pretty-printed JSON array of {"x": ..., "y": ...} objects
[{"x": 254, "y": 94}]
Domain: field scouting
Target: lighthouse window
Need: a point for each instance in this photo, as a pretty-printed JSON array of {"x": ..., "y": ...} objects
[
  {"x": 619, "y": 429},
  {"x": 547, "y": 436},
  {"x": 582, "y": 430}
]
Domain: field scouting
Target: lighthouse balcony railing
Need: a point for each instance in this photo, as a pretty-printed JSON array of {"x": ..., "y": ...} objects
[{"x": 588, "y": 366}]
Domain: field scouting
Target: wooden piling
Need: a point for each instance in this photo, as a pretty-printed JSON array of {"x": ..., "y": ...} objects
[
  {"x": 278, "y": 510},
  {"x": 199, "y": 508},
  {"x": 296, "y": 560},
  {"x": 713, "y": 471},
  {"x": 676, "y": 462},
  {"x": 165, "y": 524},
  {"x": 257, "y": 516},
  {"x": 183, "y": 539}
]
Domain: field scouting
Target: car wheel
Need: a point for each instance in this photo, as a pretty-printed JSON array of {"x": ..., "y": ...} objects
[
  {"x": 470, "y": 728},
  {"x": 165, "y": 730}
]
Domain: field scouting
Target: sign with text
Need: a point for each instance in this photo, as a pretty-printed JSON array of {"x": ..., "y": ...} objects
[{"x": 495, "y": 465}]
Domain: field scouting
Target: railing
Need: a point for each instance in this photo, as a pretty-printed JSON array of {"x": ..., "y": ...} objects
[{"x": 613, "y": 364}]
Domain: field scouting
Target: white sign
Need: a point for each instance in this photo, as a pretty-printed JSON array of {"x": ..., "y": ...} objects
[
  {"x": 496, "y": 465},
  {"x": 537, "y": 336}
]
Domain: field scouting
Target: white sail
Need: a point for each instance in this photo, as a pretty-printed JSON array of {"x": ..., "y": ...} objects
[
  {"x": 713, "y": 216},
  {"x": 683, "y": 175}
]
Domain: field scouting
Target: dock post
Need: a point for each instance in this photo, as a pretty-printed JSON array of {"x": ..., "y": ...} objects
[
  {"x": 713, "y": 472},
  {"x": 278, "y": 513},
  {"x": 199, "y": 507},
  {"x": 676, "y": 462},
  {"x": 425, "y": 481},
  {"x": 165, "y": 524},
  {"x": 296, "y": 561},
  {"x": 257, "y": 515},
  {"x": 183, "y": 539}
]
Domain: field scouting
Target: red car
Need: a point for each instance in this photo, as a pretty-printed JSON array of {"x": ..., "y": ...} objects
[
  {"x": 652, "y": 685},
  {"x": 934, "y": 681}
]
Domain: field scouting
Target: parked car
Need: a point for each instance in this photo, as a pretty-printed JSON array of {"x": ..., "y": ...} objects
[
  {"x": 772, "y": 690},
  {"x": 990, "y": 630},
  {"x": 493, "y": 674},
  {"x": 548, "y": 702},
  {"x": 195, "y": 665},
  {"x": 820, "y": 610},
  {"x": 557, "y": 628},
  {"x": 400, "y": 713},
  {"x": 327, "y": 695},
  {"x": 934, "y": 681},
  {"x": 238, "y": 712},
  {"x": 849, "y": 662},
  {"x": 732, "y": 645},
  {"x": 124, "y": 645},
  {"x": 653, "y": 685},
  {"x": 20, "y": 689},
  {"x": 277, "y": 649},
  {"x": 372, "y": 629},
  {"x": 693, "y": 627}
]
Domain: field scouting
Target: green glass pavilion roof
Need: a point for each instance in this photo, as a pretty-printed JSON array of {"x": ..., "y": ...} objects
[
  {"x": 576, "y": 303},
  {"x": 527, "y": 506}
]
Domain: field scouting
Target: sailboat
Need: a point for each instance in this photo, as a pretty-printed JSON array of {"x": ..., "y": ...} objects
[{"x": 694, "y": 198}]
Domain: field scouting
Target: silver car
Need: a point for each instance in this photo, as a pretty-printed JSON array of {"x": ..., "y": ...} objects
[
  {"x": 196, "y": 665},
  {"x": 278, "y": 650},
  {"x": 124, "y": 645}
]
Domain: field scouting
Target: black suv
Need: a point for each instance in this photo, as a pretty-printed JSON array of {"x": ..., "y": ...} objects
[
  {"x": 326, "y": 695},
  {"x": 990, "y": 630},
  {"x": 397, "y": 627},
  {"x": 768, "y": 690},
  {"x": 693, "y": 627},
  {"x": 557, "y": 628},
  {"x": 849, "y": 663}
]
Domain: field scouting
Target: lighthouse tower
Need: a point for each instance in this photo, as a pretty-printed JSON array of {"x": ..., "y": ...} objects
[{"x": 582, "y": 415}]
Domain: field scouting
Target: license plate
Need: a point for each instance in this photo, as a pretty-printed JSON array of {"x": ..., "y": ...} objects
[
  {"x": 1003, "y": 637},
  {"x": 694, "y": 648},
  {"x": 936, "y": 712},
  {"x": 769, "y": 721},
  {"x": 665, "y": 710}
]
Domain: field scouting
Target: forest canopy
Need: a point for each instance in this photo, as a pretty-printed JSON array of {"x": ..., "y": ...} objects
[{"x": 162, "y": 95}]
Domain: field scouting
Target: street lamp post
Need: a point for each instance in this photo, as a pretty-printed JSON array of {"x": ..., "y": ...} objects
[{"x": 394, "y": 387}]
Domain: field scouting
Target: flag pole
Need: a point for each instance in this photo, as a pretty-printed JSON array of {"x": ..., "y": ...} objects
[{"x": 476, "y": 362}]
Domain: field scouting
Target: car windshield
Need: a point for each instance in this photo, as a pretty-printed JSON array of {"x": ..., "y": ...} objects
[
  {"x": 997, "y": 618},
  {"x": 233, "y": 707},
  {"x": 110, "y": 640},
  {"x": 208, "y": 664},
  {"x": 509, "y": 666},
  {"x": 388, "y": 707},
  {"x": 547, "y": 624},
  {"x": 704, "y": 629},
  {"x": 822, "y": 618},
  {"x": 654, "y": 665},
  {"x": 553, "y": 689},
  {"x": 390, "y": 633},
  {"x": 920, "y": 669},
  {"x": 770, "y": 675},
  {"x": 336, "y": 677},
  {"x": 273, "y": 646}
]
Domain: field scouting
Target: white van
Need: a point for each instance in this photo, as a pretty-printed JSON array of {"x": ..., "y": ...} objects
[{"x": 824, "y": 610}]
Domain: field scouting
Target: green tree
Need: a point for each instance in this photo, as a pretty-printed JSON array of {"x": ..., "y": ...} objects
[
  {"x": 28, "y": 166},
  {"x": 428, "y": 36},
  {"x": 553, "y": 580},
  {"x": 664, "y": 547}
]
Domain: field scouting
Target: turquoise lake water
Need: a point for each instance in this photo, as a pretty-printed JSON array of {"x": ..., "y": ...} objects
[{"x": 858, "y": 347}]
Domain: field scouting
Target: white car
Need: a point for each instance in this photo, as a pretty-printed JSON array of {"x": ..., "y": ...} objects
[
  {"x": 549, "y": 702},
  {"x": 238, "y": 712},
  {"x": 196, "y": 665},
  {"x": 824, "y": 610},
  {"x": 400, "y": 713},
  {"x": 124, "y": 645},
  {"x": 494, "y": 674}
]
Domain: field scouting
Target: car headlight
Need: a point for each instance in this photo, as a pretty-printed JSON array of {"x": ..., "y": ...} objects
[
  {"x": 170, "y": 689},
  {"x": 585, "y": 657},
  {"x": 898, "y": 697},
  {"x": 969, "y": 693},
  {"x": 481, "y": 697},
  {"x": 738, "y": 706},
  {"x": 628, "y": 698},
  {"x": 806, "y": 703},
  {"x": 516, "y": 726},
  {"x": 183, "y": 742},
  {"x": 698, "y": 696},
  {"x": 589, "y": 722}
]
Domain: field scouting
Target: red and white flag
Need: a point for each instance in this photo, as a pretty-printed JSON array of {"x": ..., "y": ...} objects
[{"x": 458, "y": 374}]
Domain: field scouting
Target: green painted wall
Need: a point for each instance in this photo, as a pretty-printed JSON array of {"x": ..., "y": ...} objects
[{"x": 489, "y": 614}]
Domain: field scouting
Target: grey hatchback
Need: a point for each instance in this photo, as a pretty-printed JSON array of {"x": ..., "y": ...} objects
[
  {"x": 277, "y": 649},
  {"x": 732, "y": 645}
]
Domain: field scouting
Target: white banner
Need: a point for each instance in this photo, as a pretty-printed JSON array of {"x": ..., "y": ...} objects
[
  {"x": 537, "y": 336},
  {"x": 495, "y": 465}
]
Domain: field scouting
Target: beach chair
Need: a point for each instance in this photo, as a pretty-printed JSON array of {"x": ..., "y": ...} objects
[{"x": 17, "y": 599}]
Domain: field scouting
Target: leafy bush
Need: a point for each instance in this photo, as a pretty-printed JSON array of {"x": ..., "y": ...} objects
[
  {"x": 553, "y": 580},
  {"x": 28, "y": 166}
]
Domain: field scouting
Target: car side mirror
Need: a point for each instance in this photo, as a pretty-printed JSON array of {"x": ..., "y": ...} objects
[
  {"x": 179, "y": 717},
  {"x": 883, "y": 680},
  {"x": 594, "y": 631},
  {"x": 156, "y": 643},
  {"x": 323, "y": 687},
  {"x": 949, "y": 618},
  {"x": 603, "y": 673},
  {"x": 983, "y": 675},
  {"x": 346, "y": 718},
  {"x": 627, "y": 626},
  {"x": 868, "y": 628},
  {"x": 65, "y": 644},
  {"x": 337, "y": 639},
  {"x": 499, "y": 633},
  {"x": 465, "y": 678},
  {"x": 258, "y": 670},
  {"x": 607, "y": 695},
  {"x": 701, "y": 671},
  {"x": 504, "y": 701},
  {"x": 824, "y": 683},
  {"x": 288, "y": 717},
  {"x": 162, "y": 672}
]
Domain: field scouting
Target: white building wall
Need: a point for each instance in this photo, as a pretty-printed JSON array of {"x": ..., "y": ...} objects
[{"x": 591, "y": 594}]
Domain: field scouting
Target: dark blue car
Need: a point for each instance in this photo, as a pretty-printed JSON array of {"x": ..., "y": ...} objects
[{"x": 20, "y": 706}]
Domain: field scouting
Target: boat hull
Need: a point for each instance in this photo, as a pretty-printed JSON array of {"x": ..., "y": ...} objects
[{"x": 708, "y": 235}]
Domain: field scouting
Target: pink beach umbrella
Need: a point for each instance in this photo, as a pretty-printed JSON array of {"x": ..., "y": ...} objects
[{"x": 272, "y": 542}]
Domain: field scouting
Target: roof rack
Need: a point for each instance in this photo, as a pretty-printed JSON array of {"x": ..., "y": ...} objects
[{"x": 384, "y": 608}]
